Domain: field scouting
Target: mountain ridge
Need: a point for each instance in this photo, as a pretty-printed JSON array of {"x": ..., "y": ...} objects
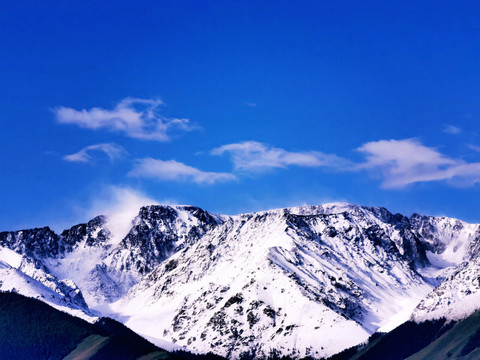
[{"x": 226, "y": 281}]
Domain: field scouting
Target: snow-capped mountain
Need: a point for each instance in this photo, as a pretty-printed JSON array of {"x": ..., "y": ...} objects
[
  {"x": 97, "y": 266},
  {"x": 304, "y": 281},
  {"x": 157, "y": 233},
  {"x": 279, "y": 281}
]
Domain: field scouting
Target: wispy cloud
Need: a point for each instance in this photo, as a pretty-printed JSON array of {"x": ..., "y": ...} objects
[
  {"x": 136, "y": 118},
  {"x": 397, "y": 162},
  {"x": 256, "y": 156},
  {"x": 172, "y": 170},
  {"x": 404, "y": 162},
  {"x": 453, "y": 130},
  {"x": 474, "y": 147},
  {"x": 113, "y": 151},
  {"x": 120, "y": 205}
]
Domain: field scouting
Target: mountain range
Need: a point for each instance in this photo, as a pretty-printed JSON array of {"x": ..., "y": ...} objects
[{"x": 309, "y": 281}]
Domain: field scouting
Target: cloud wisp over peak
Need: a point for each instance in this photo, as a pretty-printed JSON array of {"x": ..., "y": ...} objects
[
  {"x": 136, "y": 118},
  {"x": 113, "y": 151},
  {"x": 255, "y": 156},
  {"x": 171, "y": 170},
  {"x": 120, "y": 205}
]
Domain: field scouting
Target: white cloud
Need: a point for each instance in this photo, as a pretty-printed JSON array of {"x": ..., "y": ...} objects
[
  {"x": 113, "y": 151},
  {"x": 404, "y": 162},
  {"x": 453, "y": 130},
  {"x": 398, "y": 162},
  {"x": 474, "y": 147},
  {"x": 255, "y": 156},
  {"x": 137, "y": 118},
  {"x": 172, "y": 170}
]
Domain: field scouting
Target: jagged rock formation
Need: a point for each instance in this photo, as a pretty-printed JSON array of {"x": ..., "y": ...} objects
[
  {"x": 86, "y": 254},
  {"x": 157, "y": 233},
  {"x": 41, "y": 242}
]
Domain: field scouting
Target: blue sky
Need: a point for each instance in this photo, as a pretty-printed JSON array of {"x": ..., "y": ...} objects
[{"x": 237, "y": 106}]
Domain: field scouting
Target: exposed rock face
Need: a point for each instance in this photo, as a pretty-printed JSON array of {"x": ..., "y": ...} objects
[
  {"x": 92, "y": 233},
  {"x": 41, "y": 242},
  {"x": 442, "y": 235},
  {"x": 157, "y": 233},
  {"x": 87, "y": 256}
]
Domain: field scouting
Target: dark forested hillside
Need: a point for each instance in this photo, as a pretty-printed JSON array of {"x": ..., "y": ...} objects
[
  {"x": 31, "y": 329},
  {"x": 438, "y": 339}
]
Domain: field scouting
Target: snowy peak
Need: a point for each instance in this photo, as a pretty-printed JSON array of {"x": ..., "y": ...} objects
[
  {"x": 93, "y": 233},
  {"x": 324, "y": 209},
  {"x": 40, "y": 242},
  {"x": 169, "y": 224},
  {"x": 380, "y": 213},
  {"x": 158, "y": 232},
  {"x": 327, "y": 209},
  {"x": 44, "y": 243},
  {"x": 376, "y": 223},
  {"x": 224, "y": 292},
  {"x": 105, "y": 268},
  {"x": 244, "y": 283}
]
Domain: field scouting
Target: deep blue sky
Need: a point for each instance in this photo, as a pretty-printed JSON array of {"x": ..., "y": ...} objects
[{"x": 286, "y": 91}]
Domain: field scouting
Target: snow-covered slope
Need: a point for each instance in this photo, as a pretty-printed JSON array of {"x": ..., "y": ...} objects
[
  {"x": 157, "y": 233},
  {"x": 453, "y": 248},
  {"x": 89, "y": 258},
  {"x": 448, "y": 241},
  {"x": 303, "y": 281},
  {"x": 455, "y": 298},
  {"x": 19, "y": 273},
  {"x": 105, "y": 267},
  {"x": 279, "y": 281}
]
